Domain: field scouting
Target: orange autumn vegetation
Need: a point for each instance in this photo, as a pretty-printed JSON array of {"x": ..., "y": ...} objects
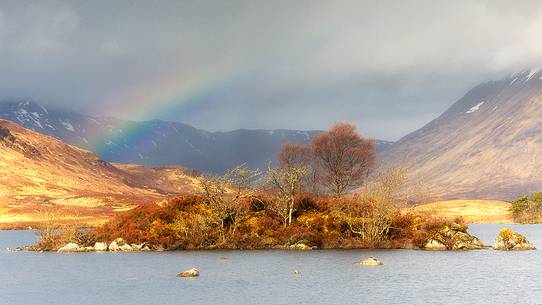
[{"x": 186, "y": 222}]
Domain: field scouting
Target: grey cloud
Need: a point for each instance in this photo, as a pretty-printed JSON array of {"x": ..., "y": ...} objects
[{"x": 389, "y": 66}]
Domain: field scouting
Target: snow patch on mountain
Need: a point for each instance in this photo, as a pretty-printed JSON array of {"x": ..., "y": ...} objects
[
  {"x": 513, "y": 81},
  {"x": 475, "y": 108},
  {"x": 532, "y": 72},
  {"x": 42, "y": 108},
  {"x": 67, "y": 125}
]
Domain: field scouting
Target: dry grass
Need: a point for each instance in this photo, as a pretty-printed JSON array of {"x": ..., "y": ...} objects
[
  {"x": 472, "y": 211},
  {"x": 15, "y": 216}
]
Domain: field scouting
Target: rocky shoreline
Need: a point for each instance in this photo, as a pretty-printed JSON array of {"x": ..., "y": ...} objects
[
  {"x": 118, "y": 245},
  {"x": 453, "y": 237},
  {"x": 449, "y": 238}
]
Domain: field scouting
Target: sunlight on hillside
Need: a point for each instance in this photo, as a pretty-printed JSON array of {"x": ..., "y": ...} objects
[{"x": 472, "y": 211}]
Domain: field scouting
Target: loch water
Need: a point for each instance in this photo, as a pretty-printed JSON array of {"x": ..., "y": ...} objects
[{"x": 266, "y": 277}]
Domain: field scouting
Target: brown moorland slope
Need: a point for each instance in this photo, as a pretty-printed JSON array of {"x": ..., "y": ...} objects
[{"x": 42, "y": 177}]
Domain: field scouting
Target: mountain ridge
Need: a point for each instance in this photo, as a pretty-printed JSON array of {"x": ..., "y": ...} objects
[
  {"x": 487, "y": 145},
  {"x": 157, "y": 142}
]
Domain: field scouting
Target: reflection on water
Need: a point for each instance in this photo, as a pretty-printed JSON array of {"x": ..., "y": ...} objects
[{"x": 266, "y": 277}]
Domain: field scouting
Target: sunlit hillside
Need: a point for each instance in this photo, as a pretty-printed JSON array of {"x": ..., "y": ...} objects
[
  {"x": 472, "y": 211},
  {"x": 41, "y": 175}
]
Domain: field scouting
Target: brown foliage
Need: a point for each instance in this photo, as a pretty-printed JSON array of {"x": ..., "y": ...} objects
[
  {"x": 186, "y": 222},
  {"x": 343, "y": 158},
  {"x": 294, "y": 155}
]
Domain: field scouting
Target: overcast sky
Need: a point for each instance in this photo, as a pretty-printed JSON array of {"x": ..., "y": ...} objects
[{"x": 390, "y": 67}]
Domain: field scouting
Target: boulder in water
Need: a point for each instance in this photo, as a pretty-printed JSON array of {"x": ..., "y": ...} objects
[
  {"x": 100, "y": 247},
  {"x": 465, "y": 241},
  {"x": 126, "y": 248},
  {"x": 119, "y": 245},
  {"x": 434, "y": 245},
  {"x": 302, "y": 245},
  {"x": 453, "y": 237},
  {"x": 189, "y": 273},
  {"x": 510, "y": 240},
  {"x": 371, "y": 261},
  {"x": 71, "y": 247}
]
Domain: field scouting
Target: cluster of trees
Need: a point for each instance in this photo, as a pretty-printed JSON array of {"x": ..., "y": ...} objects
[{"x": 336, "y": 162}]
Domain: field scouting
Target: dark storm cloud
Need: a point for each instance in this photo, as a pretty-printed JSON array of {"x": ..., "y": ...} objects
[{"x": 388, "y": 66}]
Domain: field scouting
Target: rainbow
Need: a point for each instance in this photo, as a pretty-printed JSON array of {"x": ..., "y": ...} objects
[{"x": 151, "y": 100}]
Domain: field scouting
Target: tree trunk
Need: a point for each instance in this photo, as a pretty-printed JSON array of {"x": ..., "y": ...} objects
[
  {"x": 223, "y": 231},
  {"x": 291, "y": 211}
]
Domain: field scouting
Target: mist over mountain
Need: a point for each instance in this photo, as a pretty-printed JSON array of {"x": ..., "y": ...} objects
[
  {"x": 486, "y": 145},
  {"x": 156, "y": 142}
]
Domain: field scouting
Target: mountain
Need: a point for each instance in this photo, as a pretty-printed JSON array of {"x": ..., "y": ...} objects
[
  {"x": 157, "y": 143},
  {"x": 38, "y": 171},
  {"x": 487, "y": 145}
]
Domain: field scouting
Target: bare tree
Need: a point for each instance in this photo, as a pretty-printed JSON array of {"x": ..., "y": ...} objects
[
  {"x": 225, "y": 193},
  {"x": 369, "y": 214},
  {"x": 286, "y": 181},
  {"x": 48, "y": 229},
  {"x": 343, "y": 158},
  {"x": 298, "y": 156}
]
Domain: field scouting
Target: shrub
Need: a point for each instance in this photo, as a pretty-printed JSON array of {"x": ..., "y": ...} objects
[
  {"x": 188, "y": 222},
  {"x": 506, "y": 233},
  {"x": 519, "y": 205},
  {"x": 527, "y": 209}
]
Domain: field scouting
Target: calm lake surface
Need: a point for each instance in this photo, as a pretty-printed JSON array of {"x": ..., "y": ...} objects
[{"x": 266, "y": 277}]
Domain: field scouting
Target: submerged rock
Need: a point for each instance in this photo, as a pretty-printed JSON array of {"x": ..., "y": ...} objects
[
  {"x": 371, "y": 261},
  {"x": 453, "y": 237},
  {"x": 510, "y": 240},
  {"x": 189, "y": 273}
]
